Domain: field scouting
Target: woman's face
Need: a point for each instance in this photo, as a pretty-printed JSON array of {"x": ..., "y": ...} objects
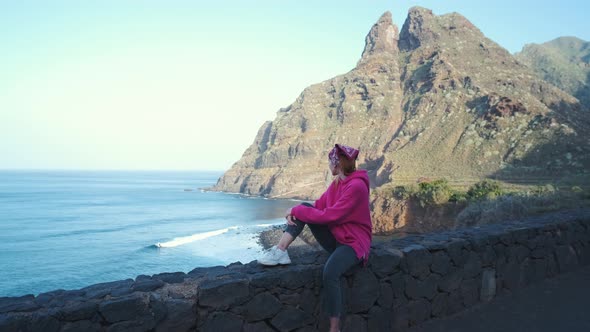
[{"x": 333, "y": 168}]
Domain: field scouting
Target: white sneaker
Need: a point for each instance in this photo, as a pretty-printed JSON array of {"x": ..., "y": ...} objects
[{"x": 274, "y": 256}]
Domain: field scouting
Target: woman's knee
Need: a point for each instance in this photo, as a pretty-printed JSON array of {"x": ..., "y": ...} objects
[
  {"x": 341, "y": 260},
  {"x": 296, "y": 229}
]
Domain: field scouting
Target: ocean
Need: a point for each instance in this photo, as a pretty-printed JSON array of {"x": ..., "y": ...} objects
[{"x": 71, "y": 229}]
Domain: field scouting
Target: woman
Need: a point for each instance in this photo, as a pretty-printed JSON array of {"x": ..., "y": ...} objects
[{"x": 340, "y": 220}]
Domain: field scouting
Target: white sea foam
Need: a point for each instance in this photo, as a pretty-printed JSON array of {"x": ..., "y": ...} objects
[
  {"x": 192, "y": 238},
  {"x": 267, "y": 225}
]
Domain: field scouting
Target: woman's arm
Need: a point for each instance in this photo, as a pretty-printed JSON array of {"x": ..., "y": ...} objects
[{"x": 351, "y": 196}]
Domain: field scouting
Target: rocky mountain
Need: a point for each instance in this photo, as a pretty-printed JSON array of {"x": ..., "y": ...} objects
[
  {"x": 436, "y": 99},
  {"x": 565, "y": 62}
]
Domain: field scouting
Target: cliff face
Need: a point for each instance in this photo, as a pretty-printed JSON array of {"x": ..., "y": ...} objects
[
  {"x": 390, "y": 215},
  {"x": 439, "y": 99},
  {"x": 565, "y": 62},
  {"x": 361, "y": 108}
]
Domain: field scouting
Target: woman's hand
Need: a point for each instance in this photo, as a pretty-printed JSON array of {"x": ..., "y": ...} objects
[{"x": 290, "y": 218}]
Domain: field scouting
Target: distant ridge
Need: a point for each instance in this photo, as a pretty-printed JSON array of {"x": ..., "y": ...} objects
[{"x": 565, "y": 62}]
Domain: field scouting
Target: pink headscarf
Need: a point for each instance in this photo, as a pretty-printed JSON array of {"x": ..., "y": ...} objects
[{"x": 347, "y": 151}]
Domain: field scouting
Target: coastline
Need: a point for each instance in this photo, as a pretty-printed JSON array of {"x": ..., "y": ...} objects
[{"x": 112, "y": 221}]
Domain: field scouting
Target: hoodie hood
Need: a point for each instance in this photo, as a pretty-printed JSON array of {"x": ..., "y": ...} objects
[{"x": 358, "y": 174}]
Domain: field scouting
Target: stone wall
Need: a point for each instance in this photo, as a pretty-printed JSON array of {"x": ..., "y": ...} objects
[{"x": 406, "y": 282}]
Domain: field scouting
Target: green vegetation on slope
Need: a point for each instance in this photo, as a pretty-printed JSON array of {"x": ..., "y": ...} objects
[{"x": 488, "y": 201}]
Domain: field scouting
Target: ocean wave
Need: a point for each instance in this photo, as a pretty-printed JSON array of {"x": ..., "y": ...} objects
[
  {"x": 271, "y": 224},
  {"x": 192, "y": 238}
]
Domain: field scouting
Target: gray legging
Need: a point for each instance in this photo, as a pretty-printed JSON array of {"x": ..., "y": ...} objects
[{"x": 342, "y": 258}]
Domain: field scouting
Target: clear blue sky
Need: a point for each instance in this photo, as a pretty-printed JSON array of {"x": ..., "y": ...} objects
[{"x": 187, "y": 84}]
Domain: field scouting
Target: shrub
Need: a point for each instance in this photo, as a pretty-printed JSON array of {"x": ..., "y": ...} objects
[
  {"x": 404, "y": 192},
  {"x": 434, "y": 193},
  {"x": 486, "y": 189},
  {"x": 385, "y": 191},
  {"x": 543, "y": 190},
  {"x": 458, "y": 196}
]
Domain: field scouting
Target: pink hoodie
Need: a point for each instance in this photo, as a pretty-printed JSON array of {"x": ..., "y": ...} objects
[{"x": 344, "y": 207}]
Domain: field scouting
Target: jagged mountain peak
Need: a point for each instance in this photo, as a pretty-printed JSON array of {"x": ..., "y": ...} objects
[
  {"x": 382, "y": 39},
  {"x": 386, "y": 18},
  {"x": 422, "y": 27},
  {"x": 420, "y": 11}
]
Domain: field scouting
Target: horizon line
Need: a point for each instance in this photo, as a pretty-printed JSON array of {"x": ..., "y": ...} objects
[{"x": 115, "y": 169}]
